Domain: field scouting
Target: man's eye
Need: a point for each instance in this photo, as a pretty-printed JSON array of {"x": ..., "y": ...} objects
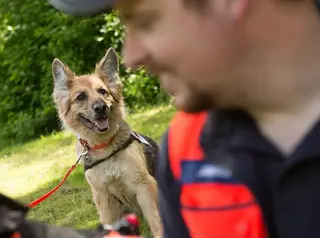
[
  {"x": 102, "y": 91},
  {"x": 145, "y": 25},
  {"x": 81, "y": 96}
]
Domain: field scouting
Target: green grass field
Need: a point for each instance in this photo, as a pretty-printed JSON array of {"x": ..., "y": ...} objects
[{"x": 30, "y": 170}]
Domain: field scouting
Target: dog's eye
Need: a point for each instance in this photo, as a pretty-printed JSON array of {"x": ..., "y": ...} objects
[
  {"x": 102, "y": 91},
  {"x": 81, "y": 96}
]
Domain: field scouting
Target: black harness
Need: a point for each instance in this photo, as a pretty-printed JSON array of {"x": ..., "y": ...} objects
[{"x": 89, "y": 163}]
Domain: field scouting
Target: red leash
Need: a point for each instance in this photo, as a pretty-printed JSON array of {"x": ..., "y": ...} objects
[{"x": 44, "y": 197}]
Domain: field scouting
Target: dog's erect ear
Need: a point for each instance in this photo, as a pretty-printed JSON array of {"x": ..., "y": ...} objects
[
  {"x": 62, "y": 76},
  {"x": 109, "y": 66},
  {"x": 108, "y": 71}
]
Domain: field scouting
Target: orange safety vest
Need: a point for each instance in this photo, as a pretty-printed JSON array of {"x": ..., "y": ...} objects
[{"x": 214, "y": 208}]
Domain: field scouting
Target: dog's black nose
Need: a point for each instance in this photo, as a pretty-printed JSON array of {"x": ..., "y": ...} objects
[{"x": 99, "y": 107}]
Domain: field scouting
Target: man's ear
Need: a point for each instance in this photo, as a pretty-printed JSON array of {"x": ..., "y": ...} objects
[
  {"x": 109, "y": 66},
  {"x": 62, "y": 77}
]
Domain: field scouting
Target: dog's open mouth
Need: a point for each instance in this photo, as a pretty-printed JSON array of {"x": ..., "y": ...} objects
[{"x": 99, "y": 125}]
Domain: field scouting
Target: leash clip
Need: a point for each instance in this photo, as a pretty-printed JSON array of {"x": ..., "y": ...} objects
[{"x": 83, "y": 153}]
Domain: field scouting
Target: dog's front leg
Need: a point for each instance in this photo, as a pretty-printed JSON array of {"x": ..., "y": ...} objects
[
  {"x": 147, "y": 195},
  {"x": 109, "y": 208}
]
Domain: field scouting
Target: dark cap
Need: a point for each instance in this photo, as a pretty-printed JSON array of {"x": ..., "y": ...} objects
[{"x": 83, "y": 7}]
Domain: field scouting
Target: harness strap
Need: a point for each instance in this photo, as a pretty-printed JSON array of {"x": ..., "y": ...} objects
[{"x": 134, "y": 136}]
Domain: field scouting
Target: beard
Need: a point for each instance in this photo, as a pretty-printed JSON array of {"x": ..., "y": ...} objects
[{"x": 194, "y": 101}]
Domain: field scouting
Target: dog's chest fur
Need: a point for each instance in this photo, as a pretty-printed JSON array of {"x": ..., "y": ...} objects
[{"x": 119, "y": 175}]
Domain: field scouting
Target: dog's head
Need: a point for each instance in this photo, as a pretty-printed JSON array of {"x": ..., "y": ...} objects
[{"x": 89, "y": 104}]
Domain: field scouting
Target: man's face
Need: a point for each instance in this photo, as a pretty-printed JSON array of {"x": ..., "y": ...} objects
[
  {"x": 186, "y": 47},
  {"x": 198, "y": 54}
]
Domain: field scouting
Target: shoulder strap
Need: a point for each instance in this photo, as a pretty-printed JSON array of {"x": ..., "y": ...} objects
[
  {"x": 138, "y": 137},
  {"x": 183, "y": 138}
]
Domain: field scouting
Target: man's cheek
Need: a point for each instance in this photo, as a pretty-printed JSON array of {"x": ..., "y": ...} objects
[{"x": 161, "y": 43}]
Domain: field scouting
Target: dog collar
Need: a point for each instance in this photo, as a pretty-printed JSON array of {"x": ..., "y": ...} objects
[
  {"x": 102, "y": 145},
  {"x": 85, "y": 144}
]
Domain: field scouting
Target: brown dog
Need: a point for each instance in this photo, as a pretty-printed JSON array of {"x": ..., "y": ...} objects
[{"x": 119, "y": 164}]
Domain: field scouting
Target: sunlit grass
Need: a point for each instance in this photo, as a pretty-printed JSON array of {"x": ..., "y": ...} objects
[{"x": 30, "y": 170}]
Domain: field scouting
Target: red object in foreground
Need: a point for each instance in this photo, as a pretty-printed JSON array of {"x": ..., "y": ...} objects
[
  {"x": 115, "y": 234},
  {"x": 132, "y": 220}
]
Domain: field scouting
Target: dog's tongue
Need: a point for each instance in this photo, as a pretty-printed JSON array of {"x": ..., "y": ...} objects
[{"x": 102, "y": 124}]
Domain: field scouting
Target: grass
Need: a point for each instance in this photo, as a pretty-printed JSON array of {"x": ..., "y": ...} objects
[{"x": 30, "y": 170}]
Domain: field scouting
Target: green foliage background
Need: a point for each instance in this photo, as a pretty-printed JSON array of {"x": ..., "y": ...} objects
[{"x": 32, "y": 34}]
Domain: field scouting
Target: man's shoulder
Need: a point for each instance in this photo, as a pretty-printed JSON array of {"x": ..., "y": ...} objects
[
  {"x": 186, "y": 115},
  {"x": 205, "y": 124},
  {"x": 185, "y": 129},
  {"x": 181, "y": 119},
  {"x": 182, "y": 122}
]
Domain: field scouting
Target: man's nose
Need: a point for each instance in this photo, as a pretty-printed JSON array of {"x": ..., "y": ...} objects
[{"x": 133, "y": 52}]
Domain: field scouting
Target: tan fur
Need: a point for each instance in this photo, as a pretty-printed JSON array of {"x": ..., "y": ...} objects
[{"x": 125, "y": 175}]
